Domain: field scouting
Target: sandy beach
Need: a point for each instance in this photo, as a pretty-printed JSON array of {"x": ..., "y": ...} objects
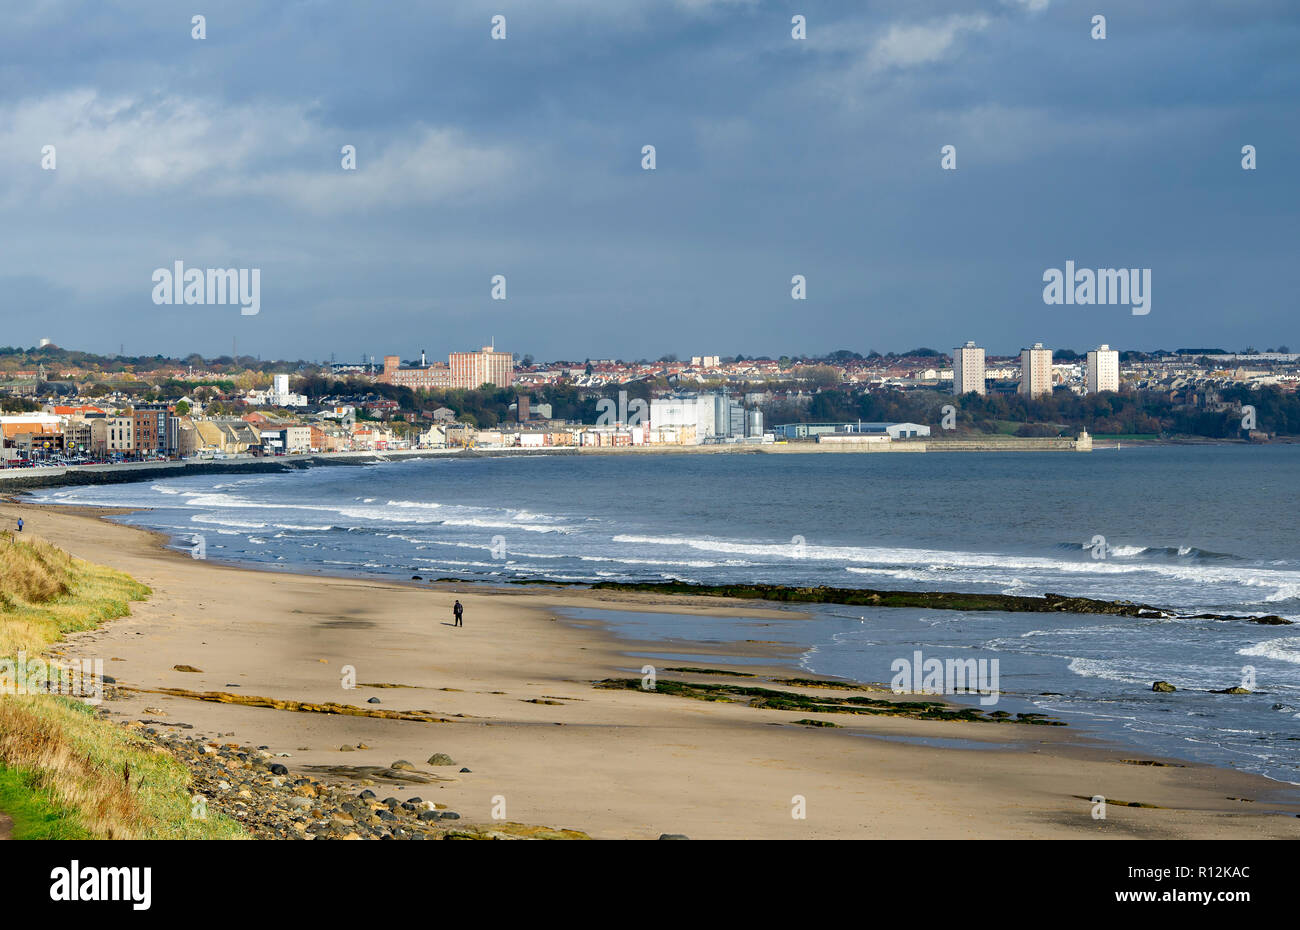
[{"x": 515, "y": 688}]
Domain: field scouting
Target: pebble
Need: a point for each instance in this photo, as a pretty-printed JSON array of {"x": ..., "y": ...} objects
[{"x": 245, "y": 785}]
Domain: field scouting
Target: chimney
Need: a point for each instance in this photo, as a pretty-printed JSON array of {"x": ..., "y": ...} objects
[{"x": 423, "y": 363}]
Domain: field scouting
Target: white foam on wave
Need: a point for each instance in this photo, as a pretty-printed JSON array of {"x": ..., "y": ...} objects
[
  {"x": 216, "y": 520},
  {"x": 891, "y": 559},
  {"x": 1284, "y": 649},
  {"x": 1108, "y": 669},
  {"x": 499, "y": 524},
  {"x": 1124, "y": 551}
]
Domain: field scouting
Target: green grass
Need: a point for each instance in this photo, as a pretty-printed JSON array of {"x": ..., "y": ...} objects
[
  {"x": 36, "y": 814},
  {"x": 64, "y": 771}
]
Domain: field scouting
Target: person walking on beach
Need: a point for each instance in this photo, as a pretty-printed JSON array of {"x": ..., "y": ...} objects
[
  {"x": 20, "y": 524},
  {"x": 459, "y": 610}
]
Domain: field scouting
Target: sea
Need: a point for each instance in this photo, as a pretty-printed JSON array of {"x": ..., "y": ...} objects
[{"x": 1191, "y": 529}]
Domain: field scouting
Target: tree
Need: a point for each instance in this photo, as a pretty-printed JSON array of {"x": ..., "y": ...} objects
[{"x": 820, "y": 376}]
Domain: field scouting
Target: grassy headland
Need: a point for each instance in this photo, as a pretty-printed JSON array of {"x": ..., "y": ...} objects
[{"x": 65, "y": 772}]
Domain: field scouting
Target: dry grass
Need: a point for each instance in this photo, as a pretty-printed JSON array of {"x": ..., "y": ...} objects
[
  {"x": 35, "y": 572},
  {"x": 114, "y": 784},
  {"x": 45, "y": 593},
  {"x": 71, "y": 773}
]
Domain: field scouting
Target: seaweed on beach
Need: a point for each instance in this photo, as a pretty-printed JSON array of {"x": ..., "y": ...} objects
[
  {"x": 827, "y": 683},
  {"x": 709, "y": 671},
  {"x": 771, "y": 699}
]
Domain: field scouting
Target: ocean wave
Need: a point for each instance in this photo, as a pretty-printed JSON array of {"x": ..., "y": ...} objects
[
  {"x": 500, "y": 524},
  {"x": 1113, "y": 670},
  {"x": 216, "y": 520},
  {"x": 1181, "y": 553},
  {"x": 982, "y": 565},
  {"x": 1284, "y": 649}
]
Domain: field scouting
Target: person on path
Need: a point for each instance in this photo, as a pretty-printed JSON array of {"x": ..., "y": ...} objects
[
  {"x": 20, "y": 524},
  {"x": 459, "y": 610}
]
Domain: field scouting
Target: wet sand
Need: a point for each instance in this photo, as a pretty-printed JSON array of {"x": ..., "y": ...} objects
[{"x": 515, "y": 686}]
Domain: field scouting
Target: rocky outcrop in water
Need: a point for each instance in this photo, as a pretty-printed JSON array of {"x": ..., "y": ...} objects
[{"x": 932, "y": 600}]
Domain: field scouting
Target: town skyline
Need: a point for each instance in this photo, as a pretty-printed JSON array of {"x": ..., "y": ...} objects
[{"x": 407, "y": 355}]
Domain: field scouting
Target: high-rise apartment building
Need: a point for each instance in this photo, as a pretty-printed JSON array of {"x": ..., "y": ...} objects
[
  {"x": 968, "y": 369},
  {"x": 470, "y": 370},
  {"x": 1036, "y": 371},
  {"x": 1103, "y": 370}
]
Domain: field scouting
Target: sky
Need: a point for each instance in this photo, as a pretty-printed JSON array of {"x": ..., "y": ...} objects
[{"x": 523, "y": 157}]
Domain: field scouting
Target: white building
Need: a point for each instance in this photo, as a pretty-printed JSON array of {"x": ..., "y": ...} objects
[
  {"x": 121, "y": 434},
  {"x": 695, "y": 412},
  {"x": 968, "y": 369},
  {"x": 710, "y": 417},
  {"x": 1103, "y": 370},
  {"x": 1036, "y": 371},
  {"x": 280, "y": 396}
]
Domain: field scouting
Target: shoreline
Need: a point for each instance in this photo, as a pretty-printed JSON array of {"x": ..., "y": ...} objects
[
  {"x": 31, "y": 478},
  {"x": 517, "y": 685}
]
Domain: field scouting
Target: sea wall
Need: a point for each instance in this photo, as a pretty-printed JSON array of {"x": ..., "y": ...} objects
[{"x": 19, "y": 479}]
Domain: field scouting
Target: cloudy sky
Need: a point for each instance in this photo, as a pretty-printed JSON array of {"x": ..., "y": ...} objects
[{"x": 522, "y": 157}]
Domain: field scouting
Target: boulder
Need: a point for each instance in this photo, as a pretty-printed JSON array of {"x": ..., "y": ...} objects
[{"x": 1163, "y": 686}]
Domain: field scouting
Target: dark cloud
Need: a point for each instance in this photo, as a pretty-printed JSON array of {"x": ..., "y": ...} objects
[{"x": 522, "y": 158}]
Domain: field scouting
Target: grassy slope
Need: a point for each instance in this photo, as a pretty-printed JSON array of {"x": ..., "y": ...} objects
[{"x": 64, "y": 772}]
